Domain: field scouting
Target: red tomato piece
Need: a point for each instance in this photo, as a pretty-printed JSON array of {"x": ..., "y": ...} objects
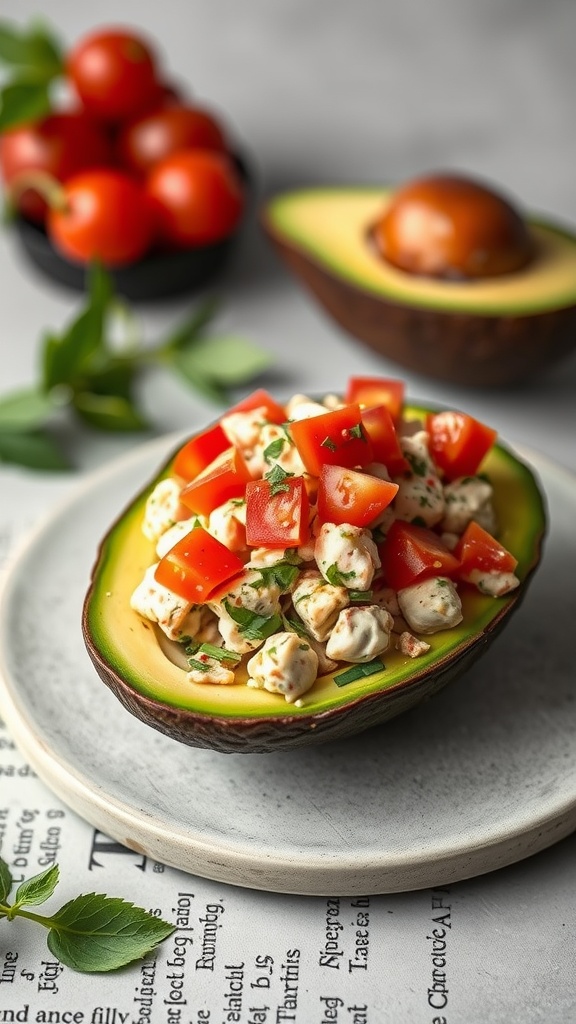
[
  {"x": 196, "y": 565},
  {"x": 199, "y": 452},
  {"x": 458, "y": 442},
  {"x": 336, "y": 438},
  {"x": 198, "y": 197},
  {"x": 277, "y": 516},
  {"x": 274, "y": 413},
  {"x": 411, "y": 554},
  {"x": 377, "y": 391},
  {"x": 104, "y": 215},
  {"x": 224, "y": 478},
  {"x": 347, "y": 496},
  {"x": 478, "y": 549},
  {"x": 382, "y": 433},
  {"x": 113, "y": 73},
  {"x": 146, "y": 140}
]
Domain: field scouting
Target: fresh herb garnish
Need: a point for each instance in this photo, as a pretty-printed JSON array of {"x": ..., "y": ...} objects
[
  {"x": 336, "y": 577},
  {"x": 295, "y": 626},
  {"x": 251, "y": 625},
  {"x": 282, "y": 575},
  {"x": 358, "y": 431},
  {"x": 274, "y": 449},
  {"x": 328, "y": 443},
  {"x": 218, "y": 653},
  {"x": 94, "y": 377},
  {"x": 90, "y": 933},
  {"x": 355, "y": 672},
  {"x": 277, "y": 477},
  {"x": 360, "y": 596}
]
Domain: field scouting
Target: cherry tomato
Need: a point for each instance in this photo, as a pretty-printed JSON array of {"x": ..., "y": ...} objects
[
  {"x": 146, "y": 140},
  {"x": 196, "y": 565},
  {"x": 199, "y": 452},
  {"x": 337, "y": 438},
  {"x": 458, "y": 442},
  {"x": 478, "y": 549},
  {"x": 59, "y": 145},
  {"x": 347, "y": 496},
  {"x": 411, "y": 554},
  {"x": 386, "y": 391},
  {"x": 104, "y": 215},
  {"x": 224, "y": 478},
  {"x": 198, "y": 197},
  {"x": 114, "y": 73},
  {"x": 260, "y": 399},
  {"x": 277, "y": 517}
]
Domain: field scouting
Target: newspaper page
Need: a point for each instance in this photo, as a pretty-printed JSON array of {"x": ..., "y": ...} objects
[{"x": 499, "y": 948}]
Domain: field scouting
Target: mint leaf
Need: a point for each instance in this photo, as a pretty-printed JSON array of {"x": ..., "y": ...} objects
[
  {"x": 37, "y": 889},
  {"x": 274, "y": 449},
  {"x": 24, "y": 410},
  {"x": 100, "y": 933},
  {"x": 282, "y": 574},
  {"x": 31, "y": 449},
  {"x": 22, "y": 101},
  {"x": 277, "y": 477},
  {"x": 5, "y": 880},
  {"x": 108, "y": 412},
  {"x": 336, "y": 577},
  {"x": 229, "y": 360}
]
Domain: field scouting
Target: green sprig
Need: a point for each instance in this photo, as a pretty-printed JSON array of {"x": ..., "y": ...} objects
[
  {"x": 83, "y": 371},
  {"x": 90, "y": 933}
]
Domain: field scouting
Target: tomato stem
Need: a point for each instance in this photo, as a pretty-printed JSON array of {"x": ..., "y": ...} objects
[{"x": 46, "y": 185}]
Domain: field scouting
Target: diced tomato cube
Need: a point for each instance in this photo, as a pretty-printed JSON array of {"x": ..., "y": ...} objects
[
  {"x": 199, "y": 451},
  {"x": 275, "y": 413},
  {"x": 336, "y": 438},
  {"x": 224, "y": 478},
  {"x": 377, "y": 391},
  {"x": 347, "y": 496},
  {"x": 458, "y": 442},
  {"x": 385, "y": 442},
  {"x": 196, "y": 565},
  {"x": 478, "y": 549},
  {"x": 411, "y": 554},
  {"x": 277, "y": 516}
]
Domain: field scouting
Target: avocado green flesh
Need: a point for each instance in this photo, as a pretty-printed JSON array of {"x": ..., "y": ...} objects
[
  {"x": 133, "y": 649},
  {"x": 331, "y": 227}
]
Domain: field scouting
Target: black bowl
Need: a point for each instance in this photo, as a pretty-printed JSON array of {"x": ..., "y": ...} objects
[{"x": 160, "y": 275}]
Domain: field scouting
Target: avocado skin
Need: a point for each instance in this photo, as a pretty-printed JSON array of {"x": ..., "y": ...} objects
[{"x": 470, "y": 349}]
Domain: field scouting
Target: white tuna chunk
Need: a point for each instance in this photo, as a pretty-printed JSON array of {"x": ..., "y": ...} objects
[
  {"x": 284, "y": 664},
  {"x": 431, "y": 605},
  {"x": 411, "y": 645},
  {"x": 468, "y": 498},
  {"x": 175, "y": 616},
  {"x": 318, "y": 603},
  {"x": 494, "y": 584},
  {"x": 348, "y": 554},
  {"x": 283, "y": 452},
  {"x": 214, "y": 671},
  {"x": 252, "y": 593},
  {"x": 420, "y": 496},
  {"x": 162, "y": 509},
  {"x": 360, "y": 634},
  {"x": 175, "y": 533},
  {"x": 243, "y": 428},
  {"x": 227, "y": 523}
]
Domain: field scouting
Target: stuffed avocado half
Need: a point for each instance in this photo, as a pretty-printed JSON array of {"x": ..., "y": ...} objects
[
  {"x": 151, "y": 674},
  {"x": 487, "y": 331}
]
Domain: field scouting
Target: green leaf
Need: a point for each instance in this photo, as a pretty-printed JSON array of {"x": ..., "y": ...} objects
[
  {"x": 108, "y": 412},
  {"x": 227, "y": 360},
  {"x": 39, "y": 888},
  {"x": 189, "y": 330},
  {"x": 23, "y": 100},
  {"x": 277, "y": 477},
  {"x": 24, "y": 410},
  {"x": 192, "y": 375},
  {"x": 350, "y": 675},
  {"x": 99, "y": 933},
  {"x": 35, "y": 49},
  {"x": 282, "y": 575},
  {"x": 81, "y": 344},
  {"x": 32, "y": 449},
  {"x": 251, "y": 625},
  {"x": 336, "y": 577},
  {"x": 5, "y": 880}
]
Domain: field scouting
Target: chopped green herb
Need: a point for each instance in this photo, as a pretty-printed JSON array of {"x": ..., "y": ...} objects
[
  {"x": 360, "y": 596},
  {"x": 418, "y": 466},
  {"x": 251, "y": 625},
  {"x": 358, "y": 431},
  {"x": 198, "y": 666},
  {"x": 274, "y": 449},
  {"x": 359, "y": 672},
  {"x": 281, "y": 574},
  {"x": 295, "y": 626},
  {"x": 218, "y": 653},
  {"x": 418, "y": 521},
  {"x": 336, "y": 577},
  {"x": 277, "y": 477},
  {"x": 328, "y": 443}
]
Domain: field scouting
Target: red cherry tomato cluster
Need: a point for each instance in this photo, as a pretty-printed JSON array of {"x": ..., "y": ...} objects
[{"x": 134, "y": 166}]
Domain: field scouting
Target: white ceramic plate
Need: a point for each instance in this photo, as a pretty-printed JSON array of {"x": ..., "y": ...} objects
[{"x": 480, "y": 777}]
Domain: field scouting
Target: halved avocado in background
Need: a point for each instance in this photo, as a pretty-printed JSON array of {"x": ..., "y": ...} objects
[
  {"x": 488, "y": 332},
  {"x": 129, "y": 653}
]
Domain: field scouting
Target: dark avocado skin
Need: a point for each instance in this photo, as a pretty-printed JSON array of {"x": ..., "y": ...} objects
[
  {"x": 239, "y": 720},
  {"x": 472, "y": 349}
]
